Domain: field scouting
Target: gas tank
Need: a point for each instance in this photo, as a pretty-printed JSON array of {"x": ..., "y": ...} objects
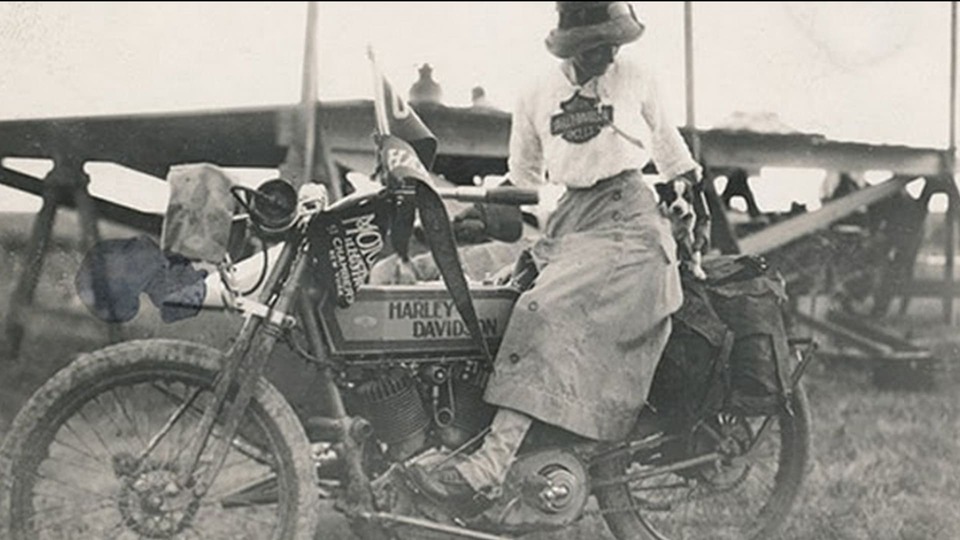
[{"x": 413, "y": 318}]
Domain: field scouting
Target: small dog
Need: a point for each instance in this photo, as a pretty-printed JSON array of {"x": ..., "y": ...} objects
[{"x": 676, "y": 202}]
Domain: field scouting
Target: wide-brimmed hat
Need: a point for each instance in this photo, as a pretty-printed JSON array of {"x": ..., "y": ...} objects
[{"x": 584, "y": 25}]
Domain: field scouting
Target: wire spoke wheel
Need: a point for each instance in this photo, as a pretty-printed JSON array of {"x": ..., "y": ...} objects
[
  {"x": 98, "y": 452},
  {"x": 746, "y": 494}
]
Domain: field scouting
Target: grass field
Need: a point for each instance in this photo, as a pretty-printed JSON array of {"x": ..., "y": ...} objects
[{"x": 886, "y": 463}]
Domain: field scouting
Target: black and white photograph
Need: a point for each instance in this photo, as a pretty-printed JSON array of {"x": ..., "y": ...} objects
[{"x": 479, "y": 271}]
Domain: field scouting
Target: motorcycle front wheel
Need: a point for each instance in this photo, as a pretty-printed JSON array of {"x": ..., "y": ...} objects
[
  {"x": 746, "y": 495},
  {"x": 97, "y": 452}
]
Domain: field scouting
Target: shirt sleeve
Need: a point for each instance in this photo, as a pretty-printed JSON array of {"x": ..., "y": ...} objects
[
  {"x": 669, "y": 152},
  {"x": 526, "y": 152}
]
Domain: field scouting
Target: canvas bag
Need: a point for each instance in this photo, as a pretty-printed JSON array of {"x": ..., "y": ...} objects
[
  {"x": 729, "y": 349},
  {"x": 199, "y": 213}
]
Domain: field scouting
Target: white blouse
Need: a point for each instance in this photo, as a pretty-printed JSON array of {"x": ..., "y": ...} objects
[{"x": 577, "y": 135}]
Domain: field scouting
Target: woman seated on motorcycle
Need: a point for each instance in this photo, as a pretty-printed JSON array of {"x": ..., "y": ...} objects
[{"x": 582, "y": 344}]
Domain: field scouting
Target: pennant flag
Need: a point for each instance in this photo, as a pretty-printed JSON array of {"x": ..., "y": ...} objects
[
  {"x": 404, "y": 123},
  {"x": 406, "y": 149}
]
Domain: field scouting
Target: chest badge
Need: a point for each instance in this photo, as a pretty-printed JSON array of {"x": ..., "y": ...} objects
[{"x": 581, "y": 118}]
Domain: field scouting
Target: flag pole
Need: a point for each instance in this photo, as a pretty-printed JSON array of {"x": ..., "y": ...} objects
[
  {"x": 688, "y": 79},
  {"x": 953, "y": 80},
  {"x": 953, "y": 199},
  {"x": 309, "y": 93},
  {"x": 379, "y": 98},
  {"x": 307, "y": 159}
]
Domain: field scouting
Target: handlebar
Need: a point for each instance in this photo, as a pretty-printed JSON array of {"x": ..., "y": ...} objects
[{"x": 497, "y": 195}]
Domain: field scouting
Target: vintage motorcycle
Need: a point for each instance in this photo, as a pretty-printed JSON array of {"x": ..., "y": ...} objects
[{"x": 174, "y": 440}]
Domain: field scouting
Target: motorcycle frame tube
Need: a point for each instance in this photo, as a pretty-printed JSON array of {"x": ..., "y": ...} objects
[
  {"x": 698, "y": 461},
  {"x": 245, "y": 361},
  {"x": 349, "y": 432},
  {"x": 330, "y": 394}
]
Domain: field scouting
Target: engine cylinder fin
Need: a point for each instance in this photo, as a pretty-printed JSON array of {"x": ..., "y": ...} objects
[{"x": 396, "y": 412}]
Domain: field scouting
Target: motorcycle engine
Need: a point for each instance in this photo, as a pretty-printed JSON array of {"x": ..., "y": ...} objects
[
  {"x": 395, "y": 410},
  {"x": 468, "y": 414},
  {"x": 425, "y": 415},
  {"x": 437, "y": 405}
]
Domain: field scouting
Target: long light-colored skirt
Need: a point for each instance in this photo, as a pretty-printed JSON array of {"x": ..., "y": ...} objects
[{"x": 582, "y": 345}]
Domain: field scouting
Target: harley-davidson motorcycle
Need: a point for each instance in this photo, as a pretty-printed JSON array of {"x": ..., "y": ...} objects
[{"x": 167, "y": 439}]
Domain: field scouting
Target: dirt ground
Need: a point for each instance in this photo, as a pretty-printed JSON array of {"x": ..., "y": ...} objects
[{"x": 886, "y": 462}]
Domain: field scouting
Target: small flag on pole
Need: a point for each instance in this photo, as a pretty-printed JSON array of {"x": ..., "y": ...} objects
[{"x": 396, "y": 117}]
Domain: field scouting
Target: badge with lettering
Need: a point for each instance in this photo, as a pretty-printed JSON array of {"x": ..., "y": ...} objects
[
  {"x": 348, "y": 243},
  {"x": 422, "y": 318},
  {"x": 435, "y": 319},
  {"x": 581, "y": 119}
]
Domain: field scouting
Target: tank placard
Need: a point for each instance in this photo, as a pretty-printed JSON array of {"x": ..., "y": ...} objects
[
  {"x": 436, "y": 319},
  {"x": 419, "y": 320}
]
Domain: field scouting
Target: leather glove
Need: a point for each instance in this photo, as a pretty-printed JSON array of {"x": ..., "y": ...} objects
[
  {"x": 482, "y": 221},
  {"x": 470, "y": 226}
]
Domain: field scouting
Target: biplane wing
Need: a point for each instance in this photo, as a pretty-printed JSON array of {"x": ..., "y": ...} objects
[{"x": 472, "y": 142}]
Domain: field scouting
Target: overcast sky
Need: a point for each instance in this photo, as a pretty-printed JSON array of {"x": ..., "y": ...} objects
[{"x": 876, "y": 71}]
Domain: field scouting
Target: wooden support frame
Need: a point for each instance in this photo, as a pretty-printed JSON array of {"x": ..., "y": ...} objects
[
  {"x": 952, "y": 223},
  {"x": 135, "y": 219},
  {"x": 948, "y": 289},
  {"x": 722, "y": 235},
  {"x": 781, "y": 233},
  {"x": 65, "y": 185}
]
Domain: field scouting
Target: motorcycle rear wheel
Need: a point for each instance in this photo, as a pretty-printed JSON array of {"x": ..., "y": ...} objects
[
  {"x": 749, "y": 500},
  {"x": 69, "y": 467}
]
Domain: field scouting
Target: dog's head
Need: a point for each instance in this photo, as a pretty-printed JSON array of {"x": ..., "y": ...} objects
[{"x": 675, "y": 199}]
